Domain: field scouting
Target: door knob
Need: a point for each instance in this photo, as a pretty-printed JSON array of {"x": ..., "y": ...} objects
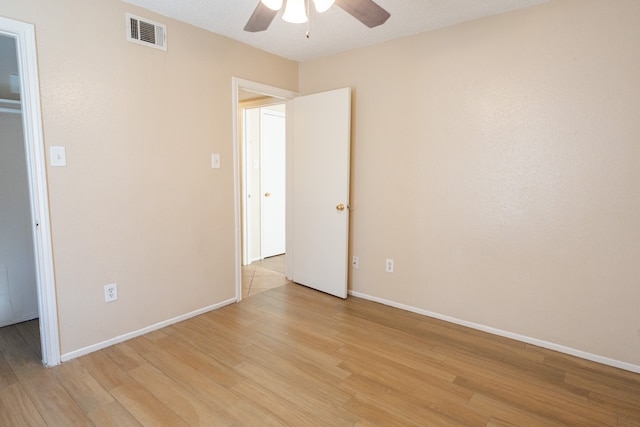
[
  {"x": 340, "y": 207},
  {"x": 267, "y": 194}
]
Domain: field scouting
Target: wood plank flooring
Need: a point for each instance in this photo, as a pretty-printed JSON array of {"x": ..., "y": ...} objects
[{"x": 292, "y": 356}]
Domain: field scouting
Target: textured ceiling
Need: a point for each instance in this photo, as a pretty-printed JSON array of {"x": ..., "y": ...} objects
[{"x": 331, "y": 32}]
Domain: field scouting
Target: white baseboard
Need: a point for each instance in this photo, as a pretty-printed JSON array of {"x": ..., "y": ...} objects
[
  {"x": 121, "y": 338},
  {"x": 534, "y": 341}
]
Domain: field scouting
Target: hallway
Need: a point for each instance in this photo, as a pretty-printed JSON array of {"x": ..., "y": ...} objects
[{"x": 263, "y": 275}]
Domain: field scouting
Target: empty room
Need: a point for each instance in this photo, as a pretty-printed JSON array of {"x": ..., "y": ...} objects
[{"x": 316, "y": 212}]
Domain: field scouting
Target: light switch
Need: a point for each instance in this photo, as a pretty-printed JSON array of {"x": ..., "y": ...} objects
[
  {"x": 256, "y": 164},
  {"x": 58, "y": 156},
  {"x": 215, "y": 161}
]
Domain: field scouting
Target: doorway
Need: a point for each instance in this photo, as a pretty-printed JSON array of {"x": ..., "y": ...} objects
[
  {"x": 263, "y": 177},
  {"x": 318, "y": 216},
  {"x": 246, "y": 95},
  {"x": 264, "y": 180},
  {"x": 18, "y": 290},
  {"x": 25, "y": 83}
]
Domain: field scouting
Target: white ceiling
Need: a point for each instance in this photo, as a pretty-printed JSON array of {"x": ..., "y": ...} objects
[{"x": 331, "y": 32}]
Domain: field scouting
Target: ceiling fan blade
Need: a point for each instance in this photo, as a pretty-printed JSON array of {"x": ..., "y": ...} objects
[
  {"x": 260, "y": 19},
  {"x": 365, "y": 11}
]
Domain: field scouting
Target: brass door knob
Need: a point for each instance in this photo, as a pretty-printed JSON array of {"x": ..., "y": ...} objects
[
  {"x": 267, "y": 194},
  {"x": 340, "y": 207}
]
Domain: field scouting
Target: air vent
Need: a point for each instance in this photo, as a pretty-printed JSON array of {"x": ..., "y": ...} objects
[{"x": 146, "y": 32}]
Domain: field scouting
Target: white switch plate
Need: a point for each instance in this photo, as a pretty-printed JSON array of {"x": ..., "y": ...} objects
[
  {"x": 215, "y": 161},
  {"x": 58, "y": 156},
  {"x": 355, "y": 263}
]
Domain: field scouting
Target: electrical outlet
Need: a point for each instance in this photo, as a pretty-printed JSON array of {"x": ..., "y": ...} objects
[
  {"x": 389, "y": 266},
  {"x": 355, "y": 263},
  {"x": 110, "y": 292}
]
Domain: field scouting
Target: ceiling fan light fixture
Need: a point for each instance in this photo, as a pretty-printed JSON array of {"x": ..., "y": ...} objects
[
  {"x": 323, "y": 5},
  {"x": 272, "y": 4},
  {"x": 295, "y": 12},
  {"x": 367, "y": 12}
]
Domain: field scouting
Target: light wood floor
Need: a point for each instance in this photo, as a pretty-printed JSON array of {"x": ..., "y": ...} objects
[{"x": 293, "y": 356}]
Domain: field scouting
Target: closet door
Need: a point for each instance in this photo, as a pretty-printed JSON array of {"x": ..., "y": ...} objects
[{"x": 273, "y": 181}]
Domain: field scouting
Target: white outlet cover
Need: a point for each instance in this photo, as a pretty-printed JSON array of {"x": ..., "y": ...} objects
[{"x": 110, "y": 292}]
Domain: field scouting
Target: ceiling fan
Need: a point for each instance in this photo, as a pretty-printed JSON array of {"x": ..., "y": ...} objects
[{"x": 365, "y": 11}]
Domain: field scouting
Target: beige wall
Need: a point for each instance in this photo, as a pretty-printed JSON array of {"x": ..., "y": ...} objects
[
  {"x": 138, "y": 203},
  {"x": 498, "y": 163}
]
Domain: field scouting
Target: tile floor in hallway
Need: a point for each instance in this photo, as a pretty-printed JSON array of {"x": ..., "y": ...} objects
[{"x": 263, "y": 275}]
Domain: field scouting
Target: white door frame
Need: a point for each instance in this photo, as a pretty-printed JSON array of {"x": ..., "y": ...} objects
[
  {"x": 24, "y": 34},
  {"x": 238, "y": 84}
]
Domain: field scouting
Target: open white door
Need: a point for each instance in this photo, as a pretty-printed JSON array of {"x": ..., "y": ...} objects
[{"x": 320, "y": 190}]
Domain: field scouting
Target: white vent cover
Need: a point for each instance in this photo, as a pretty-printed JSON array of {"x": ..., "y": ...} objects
[{"x": 146, "y": 32}]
